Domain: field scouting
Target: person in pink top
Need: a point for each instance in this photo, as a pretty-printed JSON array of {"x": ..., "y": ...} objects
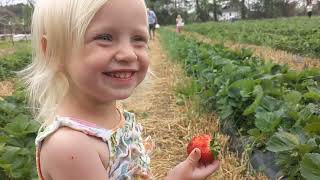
[
  {"x": 87, "y": 55},
  {"x": 179, "y": 23}
]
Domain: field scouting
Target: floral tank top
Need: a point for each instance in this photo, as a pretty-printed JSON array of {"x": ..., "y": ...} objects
[{"x": 128, "y": 153}]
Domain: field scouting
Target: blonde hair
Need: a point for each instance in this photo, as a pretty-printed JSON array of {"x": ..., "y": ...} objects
[{"x": 63, "y": 24}]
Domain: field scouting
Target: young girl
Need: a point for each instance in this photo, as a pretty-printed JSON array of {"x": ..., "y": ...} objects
[
  {"x": 179, "y": 23},
  {"x": 87, "y": 55}
]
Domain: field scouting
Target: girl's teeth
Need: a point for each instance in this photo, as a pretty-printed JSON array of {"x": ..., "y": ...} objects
[{"x": 122, "y": 75}]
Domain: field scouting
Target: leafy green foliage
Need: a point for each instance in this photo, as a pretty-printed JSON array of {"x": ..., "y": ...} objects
[
  {"x": 14, "y": 62},
  {"x": 17, "y": 130},
  {"x": 310, "y": 168},
  {"x": 17, "y": 134},
  {"x": 279, "y": 109},
  {"x": 298, "y": 35}
]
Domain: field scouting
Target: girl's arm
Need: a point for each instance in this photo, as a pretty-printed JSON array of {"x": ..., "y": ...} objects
[{"x": 69, "y": 154}]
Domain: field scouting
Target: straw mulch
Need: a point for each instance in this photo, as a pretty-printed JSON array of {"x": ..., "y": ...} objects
[
  {"x": 6, "y": 88},
  {"x": 267, "y": 53},
  {"x": 5, "y": 52},
  {"x": 172, "y": 126}
]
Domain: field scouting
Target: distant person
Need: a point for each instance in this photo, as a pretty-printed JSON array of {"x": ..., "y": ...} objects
[
  {"x": 232, "y": 18},
  {"x": 179, "y": 23},
  {"x": 152, "y": 20},
  {"x": 309, "y": 10}
]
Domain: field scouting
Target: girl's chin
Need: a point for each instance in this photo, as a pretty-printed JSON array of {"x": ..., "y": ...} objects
[{"x": 121, "y": 95}]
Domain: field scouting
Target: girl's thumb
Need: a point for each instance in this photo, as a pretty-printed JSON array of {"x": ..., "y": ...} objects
[{"x": 194, "y": 156}]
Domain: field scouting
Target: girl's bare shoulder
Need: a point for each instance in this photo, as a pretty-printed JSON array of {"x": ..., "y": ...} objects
[{"x": 72, "y": 152}]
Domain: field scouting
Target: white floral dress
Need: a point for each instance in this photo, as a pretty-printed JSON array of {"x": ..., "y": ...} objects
[{"x": 128, "y": 153}]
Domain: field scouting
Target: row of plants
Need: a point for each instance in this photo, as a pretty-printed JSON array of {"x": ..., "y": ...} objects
[
  {"x": 17, "y": 135},
  {"x": 277, "y": 109},
  {"x": 299, "y": 35},
  {"x": 14, "y": 62},
  {"x": 17, "y": 130}
]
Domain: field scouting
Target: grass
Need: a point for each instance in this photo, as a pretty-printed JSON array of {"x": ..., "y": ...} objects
[{"x": 17, "y": 45}]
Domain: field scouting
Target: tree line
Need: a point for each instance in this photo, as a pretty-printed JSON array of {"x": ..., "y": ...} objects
[{"x": 17, "y": 18}]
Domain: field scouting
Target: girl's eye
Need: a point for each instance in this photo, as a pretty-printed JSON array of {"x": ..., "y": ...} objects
[
  {"x": 140, "y": 39},
  {"x": 105, "y": 37}
]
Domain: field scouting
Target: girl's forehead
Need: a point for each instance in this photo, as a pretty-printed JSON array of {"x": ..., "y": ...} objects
[
  {"x": 115, "y": 14},
  {"x": 118, "y": 8},
  {"x": 135, "y": 5}
]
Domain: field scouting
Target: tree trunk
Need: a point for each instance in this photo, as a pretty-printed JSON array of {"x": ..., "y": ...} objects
[
  {"x": 215, "y": 10},
  {"x": 243, "y": 9},
  {"x": 198, "y": 9}
]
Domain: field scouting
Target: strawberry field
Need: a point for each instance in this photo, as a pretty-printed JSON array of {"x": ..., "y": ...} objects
[
  {"x": 298, "y": 35},
  {"x": 267, "y": 108},
  {"x": 17, "y": 130}
]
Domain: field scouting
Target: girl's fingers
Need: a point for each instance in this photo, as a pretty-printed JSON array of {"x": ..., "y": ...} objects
[
  {"x": 194, "y": 156},
  {"x": 210, "y": 168},
  {"x": 205, "y": 171}
]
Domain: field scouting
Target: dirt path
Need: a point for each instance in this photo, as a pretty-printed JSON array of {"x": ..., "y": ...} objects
[
  {"x": 171, "y": 126},
  {"x": 267, "y": 53},
  {"x": 5, "y": 52},
  {"x": 6, "y": 88}
]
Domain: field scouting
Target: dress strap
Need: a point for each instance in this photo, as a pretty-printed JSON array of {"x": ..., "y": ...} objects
[{"x": 76, "y": 124}]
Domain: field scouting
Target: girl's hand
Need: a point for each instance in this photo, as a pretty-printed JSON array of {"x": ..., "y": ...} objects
[{"x": 191, "y": 169}]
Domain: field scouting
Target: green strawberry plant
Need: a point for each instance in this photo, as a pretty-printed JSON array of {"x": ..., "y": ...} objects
[
  {"x": 277, "y": 108},
  {"x": 10, "y": 64},
  {"x": 17, "y": 129},
  {"x": 17, "y": 135},
  {"x": 298, "y": 34}
]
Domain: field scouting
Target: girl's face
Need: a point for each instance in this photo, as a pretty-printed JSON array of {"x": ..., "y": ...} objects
[{"x": 114, "y": 59}]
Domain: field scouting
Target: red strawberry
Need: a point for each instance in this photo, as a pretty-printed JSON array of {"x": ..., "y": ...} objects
[{"x": 208, "y": 146}]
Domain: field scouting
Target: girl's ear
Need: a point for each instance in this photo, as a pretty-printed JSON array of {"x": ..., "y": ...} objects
[{"x": 44, "y": 44}]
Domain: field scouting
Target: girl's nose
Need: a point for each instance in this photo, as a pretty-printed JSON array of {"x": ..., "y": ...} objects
[{"x": 126, "y": 53}]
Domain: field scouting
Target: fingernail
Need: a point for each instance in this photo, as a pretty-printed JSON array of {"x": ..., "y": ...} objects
[{"x": 197, "y": 151}]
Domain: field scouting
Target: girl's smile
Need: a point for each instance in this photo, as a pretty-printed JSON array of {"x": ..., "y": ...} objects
[{"x": 121, "y": 77}]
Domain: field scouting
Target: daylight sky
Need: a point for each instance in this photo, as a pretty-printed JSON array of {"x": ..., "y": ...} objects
[{"x": 12, "y": 1}]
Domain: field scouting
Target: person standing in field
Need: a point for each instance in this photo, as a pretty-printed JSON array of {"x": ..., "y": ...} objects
[
  {"x": 179, "y": 23},
  {"x": 152, "y": 20},
  {"x": 309, "y": 9},
  {"x": 89, "y": 54}
]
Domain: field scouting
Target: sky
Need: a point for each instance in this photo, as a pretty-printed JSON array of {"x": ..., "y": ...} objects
[{"x": 12, "y": 1}]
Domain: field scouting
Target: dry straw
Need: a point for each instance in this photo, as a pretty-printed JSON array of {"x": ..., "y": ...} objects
[{"x": 6, "y": 88}]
